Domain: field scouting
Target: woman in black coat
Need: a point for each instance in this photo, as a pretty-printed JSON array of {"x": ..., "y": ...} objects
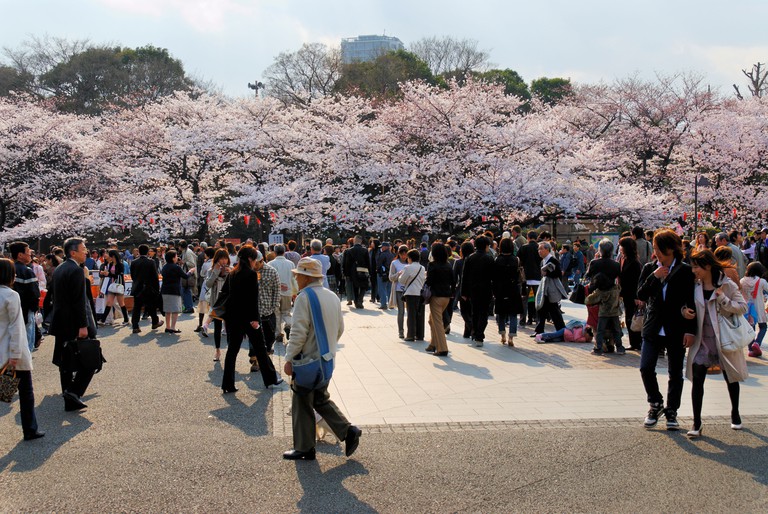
[
  {"x": 628, "y": 280},
  {"x": 242, "y": 318},
  {"x": 506, "y": 290}
]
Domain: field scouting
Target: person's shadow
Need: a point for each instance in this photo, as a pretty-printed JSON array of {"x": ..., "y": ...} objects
[
  {"x": 59, "y": 426},
  {"x": 744, "y": 457},
  {"x": 252, "y": 420},
  {"x": 325, "y": 491}
]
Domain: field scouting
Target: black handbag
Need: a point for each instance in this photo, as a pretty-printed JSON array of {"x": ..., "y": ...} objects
[
  {"x": 579, "y": 294},
  {"x": 82, "y": 355},
  {"x": 219, "y": 309}
]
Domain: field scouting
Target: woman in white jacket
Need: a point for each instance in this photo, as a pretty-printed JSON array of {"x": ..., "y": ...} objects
[
  {"x": 14, "y": 350},
  {"x": 714, "y": 293},
  {"x": 413, "y": 277},
  {"x": 753, "y": 289}
]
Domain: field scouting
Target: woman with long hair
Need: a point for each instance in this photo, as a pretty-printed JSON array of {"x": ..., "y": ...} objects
[
  {"x": 14, "y": 350},
  {"x": 702, "y": 242},
  {"x": 242, "y": 318},
  {"x": 628, "y": 279},
  {"x": 112, "y": 273},
  {"x": 214, "y": 281},
  {"x": 714, "y": 293},
  {"x": 724, "y": 256},
  {"x": 506, "y": 290}
]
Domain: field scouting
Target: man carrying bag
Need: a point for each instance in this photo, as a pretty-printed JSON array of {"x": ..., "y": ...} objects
[{"x": 313, "y": 366}]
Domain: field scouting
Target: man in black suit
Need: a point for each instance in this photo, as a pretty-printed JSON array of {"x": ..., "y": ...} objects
[
  {"x": 667, "y": 288},
  {"x": 72, "y": 318},
  {"x": 476, "y": 286},
  {"x": 146, "y": 289},
  {"x": 531, "y": 263},
  {"x": 554, "y": 292},
  {"x": 356, "y": 266}
]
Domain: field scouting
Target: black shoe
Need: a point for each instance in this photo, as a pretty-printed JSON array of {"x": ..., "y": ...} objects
[
  {"x": 230, "y": 390},
  {"x": 430, "y": 349},
  {"x": 672, "y": 423},
  {"x": 198, "y": 329},
  {"x": 287, "y": 333},
  {"x": 352, "y": 440},
  {"x": 72, "y": 402},
  {"x": 33, "y": 435},
  {"x": 279, "y": 381},
  {"x": 653, "y": 415},
  {"x": 410, "y": 339},
  {"x": 444, "y": 354},
  {"x": 297, "y": 455}
]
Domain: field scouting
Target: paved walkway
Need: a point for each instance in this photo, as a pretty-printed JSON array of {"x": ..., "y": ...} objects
[{"x": 382, "y": 380}]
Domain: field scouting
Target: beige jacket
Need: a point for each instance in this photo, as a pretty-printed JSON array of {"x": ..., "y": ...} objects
[
  {"x": 731, "y": 302},
  {"x": 303, "y": 339},
  {"x": 13, "y": 332}
]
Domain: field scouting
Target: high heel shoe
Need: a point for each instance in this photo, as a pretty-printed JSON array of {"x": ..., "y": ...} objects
[
  {"x": 232, "y": 390},
  {"x": 694, "y": 433}
]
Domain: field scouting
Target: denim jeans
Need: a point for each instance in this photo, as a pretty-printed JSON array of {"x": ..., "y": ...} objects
[
  {"x": 608, "y": 324},
  {"x": 502, "y": 321},
  {"x": 761, "y": 333},
  {"x": 400, "y": 299},
  {"x": 30, "y": 326},
  {"x": 649, "y": 356},
  {"x": 385, "y": 288},
  {"x": 27, "y": 402},
  {"x": 186, "y": 298},
  {"x": 558, "y": 336}
]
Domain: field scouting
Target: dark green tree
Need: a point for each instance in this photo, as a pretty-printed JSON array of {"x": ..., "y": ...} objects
[
  {"x": 552, "y": 91},
  {"x": 381, "y": 77},
  {"x": 14, "y": 80},
  {"x": 511, "y": 80}
]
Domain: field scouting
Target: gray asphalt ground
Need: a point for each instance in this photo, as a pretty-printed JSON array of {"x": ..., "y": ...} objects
[{"x": 159, "y": 436}]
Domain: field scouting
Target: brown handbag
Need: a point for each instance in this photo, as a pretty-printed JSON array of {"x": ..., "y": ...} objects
[{"x": 9, "y": 383}]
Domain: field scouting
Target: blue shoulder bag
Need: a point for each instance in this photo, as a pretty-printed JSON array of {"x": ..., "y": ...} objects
[{"x": 315, "y": 374}]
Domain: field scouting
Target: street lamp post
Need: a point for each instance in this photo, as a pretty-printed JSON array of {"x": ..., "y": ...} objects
[
  {"x": 256, "y": 86},
  {"x": 698, "y": 181}
]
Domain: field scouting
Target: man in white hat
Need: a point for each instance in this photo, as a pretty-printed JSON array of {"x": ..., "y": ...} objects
[{"x": 302, "y": 347}]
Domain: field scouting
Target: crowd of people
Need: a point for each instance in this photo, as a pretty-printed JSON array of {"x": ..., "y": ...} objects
[{"x": 254, "y": 290}]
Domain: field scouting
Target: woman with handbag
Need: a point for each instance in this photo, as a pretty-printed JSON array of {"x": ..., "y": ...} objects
[
  {"x": 113, "y": 286},
  {"x": 440, "y": 282},
  {"x": 753, "y": 288},
  {"x": 715, "y": 296},
  {"x": 242, "y": 319},
  {"x": 214, "y": 281},
  {"x": 14, "y": 350},
  {"x": 629, "y": 276},
  {"x": 412, "y": 277},
  {"x": 171, "y": 291}
]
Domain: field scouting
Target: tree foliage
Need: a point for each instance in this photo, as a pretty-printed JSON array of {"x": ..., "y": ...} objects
[
  {"x": 381, "y": 77},
  {"x": 450, "y": 56},
  {"x": 298, "y": 78}
]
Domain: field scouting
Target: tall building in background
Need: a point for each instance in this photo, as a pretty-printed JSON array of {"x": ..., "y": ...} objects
[{"x": 367, "y": 48}]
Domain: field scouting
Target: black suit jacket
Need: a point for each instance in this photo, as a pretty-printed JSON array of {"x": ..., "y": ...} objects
[
  {"x": 606, "y": 266},
  {"x": 69, "y": 304},
  {"x": 146, "y": 284},
  {"x": 667, "y": 311},
  {"x": 530, "y": 260},
  {"x": 477, "y": 275},
  {"x": 355, "y": 257}
]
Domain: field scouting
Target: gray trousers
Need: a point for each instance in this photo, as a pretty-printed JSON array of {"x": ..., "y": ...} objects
[{"x": 303, "y": 405}]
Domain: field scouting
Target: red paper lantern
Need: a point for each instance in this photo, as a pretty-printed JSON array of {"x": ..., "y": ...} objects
[
  {"x": 685, "y": 216},
  {"x": 272, "y": 217},
  {"x": 247, "y": 219},
  {"x": 221, "y": 218},
  {"x": 734, "y": 212},
  {"x": 699, "y": 216},
  {"x": 716, "y": 213},
  {"x": 258, "y": 220},
  {"x": 151, "y": 221}
]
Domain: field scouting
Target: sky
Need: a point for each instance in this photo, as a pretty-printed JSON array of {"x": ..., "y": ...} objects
[{"x": 231, "y": 42}]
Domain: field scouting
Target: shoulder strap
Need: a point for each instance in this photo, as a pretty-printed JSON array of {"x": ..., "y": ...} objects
[
  {"x": 317, "y": 319},
  {"x": 414, "y": 278},
  {"x": 757, "y": 286}
]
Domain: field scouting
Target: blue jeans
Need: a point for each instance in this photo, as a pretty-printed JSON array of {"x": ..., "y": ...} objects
[
  {"x": 30, "y": 326},
  {"x": 557, "y": 336},
  {"x": 649, "y": 356},
  {"x": 502, "y": 321},
  {"x": 761, "y": 333},
  {"x": 186, "y": 298},
  {"x": 385, "y": 289},
  {"x": 27, "y": 402}
]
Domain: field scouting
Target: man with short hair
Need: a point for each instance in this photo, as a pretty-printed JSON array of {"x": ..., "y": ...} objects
[
  {"x": 476, "y": 286},
  {"x": 761, "y": 249},
  {"x": 735, "y": 240},
  {"x": 71, "y": 319},
  {"x": 356, "y": 267},
  {"x": 146, "y": 289},
  {"x": 519, "y": 239},
  {"x": 303, "y": 347},
  {"x": 644, "y": 247},
  {"x": 667, "y": 288},
  {"x": 383, "y": 260},
  {"x": 28, "y": 287},
  {"x": 531, "y": 263},
  {"x": 269, "y": 301},
  {"x": 316, "y": 252},
  {"x": 288, "y": 291}
]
